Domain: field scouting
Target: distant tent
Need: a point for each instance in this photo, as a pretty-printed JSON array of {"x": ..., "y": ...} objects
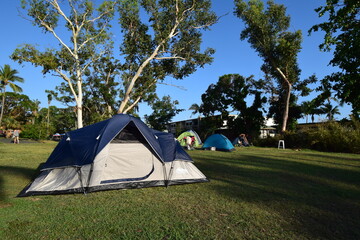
[
  {"x": 56, "y": 137},
  {"x": 218, "y": 141},
  {"x": 182, "y": 138},
  {"x": 121, "y": 152}
]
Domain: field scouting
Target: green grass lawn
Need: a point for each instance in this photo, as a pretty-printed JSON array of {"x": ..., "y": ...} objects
[{"x": 253, "y": 193}]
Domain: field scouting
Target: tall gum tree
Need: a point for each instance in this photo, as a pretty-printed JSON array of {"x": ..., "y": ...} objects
[
  {"x": 85, "y": 26},
  {"x": 160, "y": 39},
  {"x": 266, "y": 31}
]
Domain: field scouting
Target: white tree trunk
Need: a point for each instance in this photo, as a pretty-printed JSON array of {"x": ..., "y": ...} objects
[
  {"x": 287, "y": 100},
  {"x": 286, "y": 111}
]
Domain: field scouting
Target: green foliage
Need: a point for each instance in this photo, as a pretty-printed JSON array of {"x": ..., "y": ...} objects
[
  {"x": 330, "y": 137},
  {"x": 17, "y": 108},
  {"x": 9, "y": 77},
  {"x": 229, "y": 95},
  {"x": 165, "y": 43},
  {"x": 210, "y": 124},
  {"x": 277, "y": 109},
  {"x": 336, "y": 137},
  {"x": 101, "y": 96},
  {"x": 195, "y": 108},
  {"x": 163, "y": 111},
  {"x": 61, "y": 119},
  {"x": 35, "y": 131},
  {"x": 267, "y": 32},
  {"x": 87, "y": 29},
  {"x": 342, "y": 31},
  {"x": 330, "y": 110}
]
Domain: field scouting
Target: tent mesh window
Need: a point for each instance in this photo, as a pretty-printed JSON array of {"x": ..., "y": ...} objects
[{"x": 130, "y": 134}]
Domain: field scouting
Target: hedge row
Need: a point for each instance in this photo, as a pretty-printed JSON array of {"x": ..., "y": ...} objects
[{"x": 329, "y": 137}]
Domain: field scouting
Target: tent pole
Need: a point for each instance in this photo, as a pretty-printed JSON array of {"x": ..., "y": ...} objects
[
  {"x": 171, "y": 171},
  {"x": 80, "y": 177},
  {"x": 166, "y": 180},
  {"x": 90, "y": 174}
]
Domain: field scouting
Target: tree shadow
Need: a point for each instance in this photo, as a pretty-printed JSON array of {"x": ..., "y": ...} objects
[
  {"x": 27, "y": 173},
  {"x": 355, "y": 158},
  {"x": 328, "y": 199}
]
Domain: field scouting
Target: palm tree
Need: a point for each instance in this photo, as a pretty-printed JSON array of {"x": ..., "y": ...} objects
[
  {"x": 307, "y": 108},
  {"x": 310, "y": 108},
  {"x": 34, "y": 107},
  {"x": 195, "y": 109},
  {"x": 8, "y": 76},
  {"x": 330, "y": 110}
]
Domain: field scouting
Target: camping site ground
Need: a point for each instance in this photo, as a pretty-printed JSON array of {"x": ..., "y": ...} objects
[{"x": 253, "y": 193}]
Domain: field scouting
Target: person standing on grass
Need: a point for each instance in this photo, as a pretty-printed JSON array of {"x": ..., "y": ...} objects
[{"x": 16, "y": 136}]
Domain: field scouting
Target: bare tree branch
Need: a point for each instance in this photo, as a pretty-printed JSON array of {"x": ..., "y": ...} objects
[{"x": 66, "y": 78}]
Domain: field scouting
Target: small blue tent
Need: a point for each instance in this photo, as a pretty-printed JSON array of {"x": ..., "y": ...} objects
[
  {"x": 121, "y": 152},
  {"x": 220, "y": 142}
]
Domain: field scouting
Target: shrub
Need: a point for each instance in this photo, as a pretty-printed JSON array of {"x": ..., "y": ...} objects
[
  {"x": 267, "y": 142},
  {"x": 330, "y": 137},
  {"x": 336, "y": 137},
  {"x": 34, "y": 131}
]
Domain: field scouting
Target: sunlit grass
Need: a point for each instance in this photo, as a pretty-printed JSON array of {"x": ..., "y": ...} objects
[{"x": 253, "y": 193}]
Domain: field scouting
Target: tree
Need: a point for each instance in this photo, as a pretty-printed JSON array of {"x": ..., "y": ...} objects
[
  {"x": 61, "y": 121},
  {"x": 163, "y": 111},
  {"x": 266, "y": 31},
  {"x": 101, "y": 93},
  {"x": 195, "y": 109},
  {"x": 229, "y": 95},
  {"x": 165, "y": 44},
  {"x": 9, "y": 77},
  {"x": 85, "y": 26},
  {"x": 17, "y": 110},
  {"x": 311, "y": 108},
  {"x": 330, "y": 110},
  {"x": 342, "y": 30}
]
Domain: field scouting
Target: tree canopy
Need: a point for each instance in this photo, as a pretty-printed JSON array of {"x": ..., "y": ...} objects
[
  {"x": 166, "y": 42},
  {"x": 163, "y": 111},
  {"x": 80, "y": 21},
  {"x": 229, "y": 95},
  {"x": 158, "y": 39},
  {"x": 266, "y": 29},
  {"x": 342, "y": 31}
]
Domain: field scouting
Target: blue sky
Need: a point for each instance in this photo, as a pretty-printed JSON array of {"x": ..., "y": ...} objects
[{"x": 232, "y": 55}]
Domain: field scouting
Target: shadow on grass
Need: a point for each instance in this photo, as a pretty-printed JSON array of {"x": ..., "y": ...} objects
[
  {"x": 355, "y": 158},
  {"x": 322, "y": 201},
  {"x": 28, "y": 173}
]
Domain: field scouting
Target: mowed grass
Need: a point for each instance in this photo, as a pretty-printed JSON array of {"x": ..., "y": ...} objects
[{"x": 253, "y": 193}]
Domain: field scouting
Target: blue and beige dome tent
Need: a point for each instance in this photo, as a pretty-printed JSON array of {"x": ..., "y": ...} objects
[
  {"x": 118, "y": 153},
  {"x": 182, "y": 138},
  {"x": 218, "y": 141}
]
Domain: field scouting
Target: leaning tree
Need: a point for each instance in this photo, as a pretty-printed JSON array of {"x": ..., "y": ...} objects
[
  {"x": 266, "y": 29},
  {"x": 161, "y": 38}
]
